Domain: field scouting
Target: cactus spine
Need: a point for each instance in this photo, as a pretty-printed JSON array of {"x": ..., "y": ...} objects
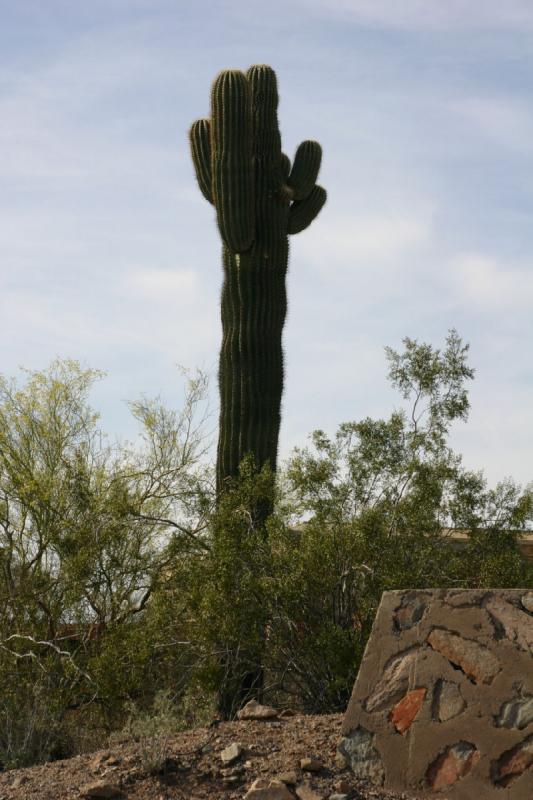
[{"x": 259, "y": 200}]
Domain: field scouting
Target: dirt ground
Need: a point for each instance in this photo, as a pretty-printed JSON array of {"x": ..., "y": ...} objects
[{"x": 194, "y": 768}]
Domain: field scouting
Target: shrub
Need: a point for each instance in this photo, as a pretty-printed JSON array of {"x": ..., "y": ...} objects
[{"x": 151, "y": 729}]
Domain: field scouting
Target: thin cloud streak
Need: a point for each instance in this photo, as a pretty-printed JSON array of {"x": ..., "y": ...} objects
[
  {"x": 109, "y": 253},
  {"x": 427, "y": 14}
]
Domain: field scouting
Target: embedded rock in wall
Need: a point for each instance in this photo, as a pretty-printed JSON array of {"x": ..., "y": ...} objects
[{"x": 443, "y": 702}]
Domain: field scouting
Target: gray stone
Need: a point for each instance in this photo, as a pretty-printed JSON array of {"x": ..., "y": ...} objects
[
  {"x": 516, "y": 713},
  {"x": 527, "y": 601},
  {"x": 361, "y": 755},
  {"x": 517, "y": 625},
  {"x": 409, "y": 613},
  {"x": 394, "y": 682},
  {"x": 448, "y": 701},
  {"x": 231, "y": 753},
  {"x": 254, "y": 710}
]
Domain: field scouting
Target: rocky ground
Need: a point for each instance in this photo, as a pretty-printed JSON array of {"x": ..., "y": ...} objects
[{"x": 276, "y": 758}]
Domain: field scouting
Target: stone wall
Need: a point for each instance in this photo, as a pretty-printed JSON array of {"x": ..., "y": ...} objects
[{"x": 443, "y": 703}]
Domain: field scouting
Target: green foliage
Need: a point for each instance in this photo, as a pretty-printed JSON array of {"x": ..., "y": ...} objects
[
  {"x": 317, "y": 609},
  {"x": 379, "y": 497},
  {"x": 229, "y": 587},
  {"x": 84, "y": 542},
  {"x": 121, "y": 576},
  {"x": 30, "y": 715},
  {"x": 152, "y": 729}
]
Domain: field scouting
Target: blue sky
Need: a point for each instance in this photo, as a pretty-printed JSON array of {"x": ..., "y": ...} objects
[{"x": 110, "y": 255}]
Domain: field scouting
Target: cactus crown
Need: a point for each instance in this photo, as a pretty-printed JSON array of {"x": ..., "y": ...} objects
[{"x": 237, "y": 155}]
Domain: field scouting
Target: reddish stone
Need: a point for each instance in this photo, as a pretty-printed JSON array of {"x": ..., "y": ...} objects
[
  {"x": 452, "y": 765},
  {"x": 514, "y": 762},
  {"x": 404, "y": 712},
  {"x": 475, "y": 660}
]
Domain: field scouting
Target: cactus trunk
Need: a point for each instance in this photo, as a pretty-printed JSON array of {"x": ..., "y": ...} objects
[
  {"x": 259, "y": 200},
  {"x": 254, "y": 304}
]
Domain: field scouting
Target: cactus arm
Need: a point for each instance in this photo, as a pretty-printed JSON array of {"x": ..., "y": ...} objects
[
  {"x": 232, "y": 160},
  {"x": 303, "y": 212},
  {"x": 201, "y": 155},
  {"x": 305, "y": 169}
]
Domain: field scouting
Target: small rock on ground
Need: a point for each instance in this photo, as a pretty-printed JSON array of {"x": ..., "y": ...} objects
[
  {"x": 262, "y": 789},
  {"x": 255, "y": 710},
  {"x": 231, "y": 753},
  {"x": 311, "y": 764},
  {"x": 101, "y": 789}
]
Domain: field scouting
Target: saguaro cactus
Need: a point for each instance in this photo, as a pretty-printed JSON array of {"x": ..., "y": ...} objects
[{"x": 259, "y": 200}]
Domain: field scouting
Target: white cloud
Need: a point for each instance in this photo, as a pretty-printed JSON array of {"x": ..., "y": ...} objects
[
  {"x": 487, "y": 284},
  {"x": 72, "y": 116},
  {"x": 498, "y": 437},
  {"x": 376, "y": 238},
  {"x": 164, "y": 285},
  {"x": 47, "y": 318},
  {"x": 137, "y": 315},
  {"x": 428, "y": 14},
  {"x": 505, "y": 120}
]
